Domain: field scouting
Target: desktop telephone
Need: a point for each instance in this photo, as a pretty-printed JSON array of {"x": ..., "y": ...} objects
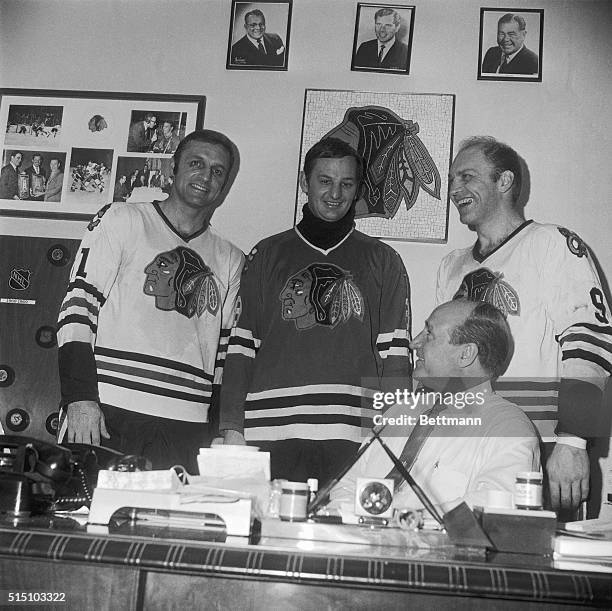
[{"x": 37, "y": 476}]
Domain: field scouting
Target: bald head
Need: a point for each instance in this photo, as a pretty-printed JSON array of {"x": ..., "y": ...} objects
[
  {"x": 486, "y": 326},
  {"x": 462, "y": 339}
]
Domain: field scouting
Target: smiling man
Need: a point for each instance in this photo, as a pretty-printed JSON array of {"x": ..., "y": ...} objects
[
  {"x": 257, "y": 48},
  {"x": 543, "y": 277},
  {"x": 323, "y": 307},
  {"x": 143, "y": 328},
  {"x": 459, "y": 439},
  {"x": 511, "y": 56},
  {"x": 385, "y": 52}
]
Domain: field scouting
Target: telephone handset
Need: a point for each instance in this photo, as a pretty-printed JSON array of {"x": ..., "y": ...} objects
[{"x": 36, "y": 476}]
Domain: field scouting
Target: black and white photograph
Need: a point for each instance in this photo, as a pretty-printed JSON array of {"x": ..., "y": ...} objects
[
  {"x": 383, "y": 38},
  {"x": 39, "y": 175},
  {"x": 33, "y": 125},
  {"x": 142, "y": 179},
  {"x": 155, "y": 131},
  {"x": 73, "y": 139},
  {"x": 89, "y": 176},
  {"x": 259, "y": 35},
  {"x": 510, "y": 44}
]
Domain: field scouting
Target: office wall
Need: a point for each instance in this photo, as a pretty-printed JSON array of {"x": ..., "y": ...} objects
[
  {"x": 560, "y": 126},
  {"x": 179, "y": 46}
]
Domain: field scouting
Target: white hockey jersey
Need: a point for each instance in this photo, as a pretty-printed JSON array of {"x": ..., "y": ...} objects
[
  {"x": 543, "y": 278},
  {"x": 155, "y": 308}
]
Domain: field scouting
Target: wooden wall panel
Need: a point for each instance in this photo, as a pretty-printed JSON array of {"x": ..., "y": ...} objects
[{"x": 33, "y": 278}]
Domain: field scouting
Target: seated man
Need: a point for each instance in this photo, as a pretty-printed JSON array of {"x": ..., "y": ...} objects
[{"x": 473, "y": 441}]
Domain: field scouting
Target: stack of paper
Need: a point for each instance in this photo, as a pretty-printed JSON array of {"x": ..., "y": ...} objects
[{"x": 587, "y": 546}]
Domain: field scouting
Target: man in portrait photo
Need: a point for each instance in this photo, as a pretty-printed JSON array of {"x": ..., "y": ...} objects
[
  {"x": 142, "y": 134},
  {"x": 9, "y": 183},
  {"x": 256, "y": 48},
  {"x": 510, "y": 56},
  {"x": 37, "y": 178},
  {"x": 386, "y": 51}
]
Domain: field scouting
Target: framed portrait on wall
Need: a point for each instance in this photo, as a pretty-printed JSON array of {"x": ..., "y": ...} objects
[
  {"x": 259, "y": 35},
  {"x": 406, "y": 141},
  {"x": 383, "y": 38},
  {"x": 65, "y": 154},
  {"x": 510, "y": 44}
]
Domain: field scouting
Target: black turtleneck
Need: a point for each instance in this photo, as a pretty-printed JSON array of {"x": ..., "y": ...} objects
[{"x": 325, "y": 234}]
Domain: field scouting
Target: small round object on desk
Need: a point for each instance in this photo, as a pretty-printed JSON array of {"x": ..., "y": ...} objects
[
  {"x": 58, "y": 255},
  {"x": 17, "y": 420},
  {"x": 46, "y": 337},
  {"x": 52, "y": 423},
  {"x": 293, "y": 502},
  {"x": 376, "y": 498},
  {"x": 7, "y": 376}
]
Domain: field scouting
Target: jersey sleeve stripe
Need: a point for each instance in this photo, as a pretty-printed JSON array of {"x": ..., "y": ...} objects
[
  {"x": 152, "y": 360},
  {"x": 389, "y": 337},
  {"x": 587, "y": 339},
  {"x": 80, "y": 303},
  {"x": 77, "y": 319},
  {"x": 154, "y": 390},
  {"x": 604, "y": 329},
  {"x": 587, "y": 356},
  {"x": 236, "y": 349},
  {"x": 394, "y": 351},
  {"x": 90, "y": 289},
  {"x": 244, "y": 334}
]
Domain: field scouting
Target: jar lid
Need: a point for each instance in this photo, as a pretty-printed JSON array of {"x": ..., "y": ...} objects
[
  {"x": 529, "y": 475},
  {"x": 295, "y": 486}
]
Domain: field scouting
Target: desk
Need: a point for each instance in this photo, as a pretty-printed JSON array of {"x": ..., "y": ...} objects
[{"x": 126, "y": 569}]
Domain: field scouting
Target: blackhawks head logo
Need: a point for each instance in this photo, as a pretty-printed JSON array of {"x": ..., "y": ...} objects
[
  {"x": 485, "y": 285},
  {"x": 397, "y": 163},
  {"x": 179, "y": 280},
  {"x": 321, "y": 294}
]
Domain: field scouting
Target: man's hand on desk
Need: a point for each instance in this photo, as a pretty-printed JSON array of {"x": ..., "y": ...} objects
[
  {"x": 568, "y": 476},
  {"x": 85, "y": 423}
]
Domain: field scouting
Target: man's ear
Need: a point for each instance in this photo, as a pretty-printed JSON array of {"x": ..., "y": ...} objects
[
  {"x": 303, "y": 182},
  {"x": 468, "y": 354},
  {"x": 505, "y": 181}
]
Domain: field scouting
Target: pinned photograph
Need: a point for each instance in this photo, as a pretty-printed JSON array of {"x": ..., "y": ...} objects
[
  {"x": 259, "y": 35},
  {"x": 155, "y": 131},
  {"x": 89, "y": 176},
  {"x": 59, "y": 150},
  {"x": 35, "y": 176},
  {"x": 32, "y": 125},
  {"x": 510, "y": 46},
  {"x": 143, "y": 179},
  {"x": 383, "y": 38}
]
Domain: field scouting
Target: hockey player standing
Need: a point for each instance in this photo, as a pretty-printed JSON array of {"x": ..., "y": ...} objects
[
  {"x": 543, "y": 278},
  {"x": 322, "y": 307},
  {"x": 144, "y": 325}
]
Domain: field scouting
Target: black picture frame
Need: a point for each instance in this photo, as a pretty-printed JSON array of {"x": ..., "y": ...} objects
[
  {"x": 89, "y": 132},
  {"x": 525, "y": 64},
  {"x": 242, "y": 52},
  {"x": 365, "y": 43}
]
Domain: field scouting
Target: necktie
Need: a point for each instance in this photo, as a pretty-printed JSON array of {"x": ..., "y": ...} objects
[
  {"x": 261, "y": 47},
  {"x": 380, "y": 53},
  {"x": 415, "y": 442},
  {"x": 503, "y": 63}
]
